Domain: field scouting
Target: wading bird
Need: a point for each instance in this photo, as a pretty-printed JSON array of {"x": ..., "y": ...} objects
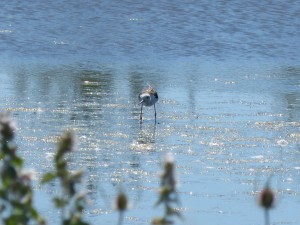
[{"x": 148, "y": 97}]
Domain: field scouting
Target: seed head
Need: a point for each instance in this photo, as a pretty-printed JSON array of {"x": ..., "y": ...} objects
[
  {"x": 121, "y": 202},
  {"x": 266, "y": 199}
]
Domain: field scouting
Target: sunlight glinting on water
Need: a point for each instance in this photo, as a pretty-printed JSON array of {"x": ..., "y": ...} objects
[{"x": 227, "y": 76}]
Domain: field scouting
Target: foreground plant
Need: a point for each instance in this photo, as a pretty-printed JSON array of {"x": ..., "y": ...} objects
[
  {"x": 266, "y": 200},
  {"x": 168, "y": 196},
  {"x": 16, "y": 203},
  {"x": 70, "y": 202},
  {"x": 122, "y": 205}
]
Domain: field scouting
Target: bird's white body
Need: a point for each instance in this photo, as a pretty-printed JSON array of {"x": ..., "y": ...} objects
[{"x": 148, "y": 97}]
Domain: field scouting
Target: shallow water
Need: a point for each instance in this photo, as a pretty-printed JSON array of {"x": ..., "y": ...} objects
[
  {"x": 228, "y": 131},
  {"x": 228, "y": 82}
]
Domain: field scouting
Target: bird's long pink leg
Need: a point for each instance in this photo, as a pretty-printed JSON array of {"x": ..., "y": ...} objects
[
  {"x": 141, "y": 117},
  {"x": 154, "y": 113}
]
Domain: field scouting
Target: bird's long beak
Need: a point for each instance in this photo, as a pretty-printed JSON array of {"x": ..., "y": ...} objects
[{"x": 141, "y": 101}]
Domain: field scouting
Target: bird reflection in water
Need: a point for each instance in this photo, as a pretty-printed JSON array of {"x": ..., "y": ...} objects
[{"x": 147, "y": 135}]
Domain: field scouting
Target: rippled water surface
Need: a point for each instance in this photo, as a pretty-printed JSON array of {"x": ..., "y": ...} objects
[{"x": 228, "y": 82}]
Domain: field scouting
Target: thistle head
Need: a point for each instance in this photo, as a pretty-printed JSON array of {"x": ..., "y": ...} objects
[
  {"x": 122, "y": 202},
  {"x": 266, "y": 198}
]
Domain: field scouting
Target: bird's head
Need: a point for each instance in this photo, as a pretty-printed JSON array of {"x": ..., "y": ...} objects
[{"x": 144, "y": 98}]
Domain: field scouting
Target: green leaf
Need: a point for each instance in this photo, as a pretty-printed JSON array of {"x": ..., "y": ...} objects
[
  {"x": 9, "y": 172},
  {"x": 48, "y": 177},
  {"x": 18, "y": 162},
  {"x": 82, "y": 223},
  {"x": 60, "y": 202},
  {"x": 172, "y": 211},
  {"x": 161, "y": 221},
  {"x": 34, "y": 213}
]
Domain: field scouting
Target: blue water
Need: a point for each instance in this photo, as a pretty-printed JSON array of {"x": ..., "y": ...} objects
[
  {"x": 227, "y": 75},
  {"x": 218, "y": 30}
]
